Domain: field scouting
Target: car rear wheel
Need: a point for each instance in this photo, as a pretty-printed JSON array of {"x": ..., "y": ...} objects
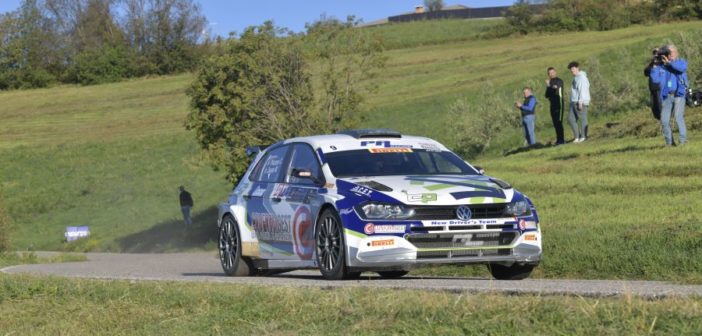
[
  {"x": 392, "y": 274},
  {"x": 233, "y": 263},
  {"x": 514, "y": 272},
  {"x": 330, "y": 247}
]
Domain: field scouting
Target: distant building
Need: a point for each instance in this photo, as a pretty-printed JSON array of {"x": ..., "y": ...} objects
[
  {"x": 452, "y": 12},
  {"x": 419, "y": 9}
]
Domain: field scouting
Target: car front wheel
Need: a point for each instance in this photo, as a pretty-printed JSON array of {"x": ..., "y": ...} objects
[{"x": 330, "y": 246}]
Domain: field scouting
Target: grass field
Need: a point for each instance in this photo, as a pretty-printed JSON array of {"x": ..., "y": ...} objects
[
  {"x": 112, "y": 156},
  {"x": 31, "y": 306}
]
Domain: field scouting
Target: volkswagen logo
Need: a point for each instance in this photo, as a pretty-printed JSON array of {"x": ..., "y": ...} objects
[{"x": 463, "y": 212}]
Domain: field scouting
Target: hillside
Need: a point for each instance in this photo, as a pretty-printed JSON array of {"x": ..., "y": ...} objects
[{"x": 112, "y": 156}]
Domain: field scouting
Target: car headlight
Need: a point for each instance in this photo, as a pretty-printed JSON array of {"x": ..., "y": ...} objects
[
  {"x": 386, "y": 211},
  {"x": 519, "y": 208}
]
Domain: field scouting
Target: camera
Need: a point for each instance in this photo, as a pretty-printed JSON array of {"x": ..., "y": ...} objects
[{"x": 659, "y": 53}]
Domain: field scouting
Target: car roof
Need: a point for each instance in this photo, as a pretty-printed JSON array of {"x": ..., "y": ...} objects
[{"x": 343, "y": 142}]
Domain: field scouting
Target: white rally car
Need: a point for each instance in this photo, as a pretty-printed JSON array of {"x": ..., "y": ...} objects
[{"x": 373, "y": 200}]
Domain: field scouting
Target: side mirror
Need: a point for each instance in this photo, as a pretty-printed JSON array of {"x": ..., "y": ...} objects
[
  {"x": 304, "y": 173},
  {"x": 480, "y": 170}
]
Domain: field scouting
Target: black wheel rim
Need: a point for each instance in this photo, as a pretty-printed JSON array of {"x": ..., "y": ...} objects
[
  {"x": 228, "y": 244},
  {"x": 329, "y": 244}
]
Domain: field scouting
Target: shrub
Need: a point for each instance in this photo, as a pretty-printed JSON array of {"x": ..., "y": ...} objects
[{"x": 476, "y": 125}]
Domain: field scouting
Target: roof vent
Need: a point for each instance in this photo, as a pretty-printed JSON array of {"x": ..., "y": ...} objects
[{"x": 372, "y": 133}]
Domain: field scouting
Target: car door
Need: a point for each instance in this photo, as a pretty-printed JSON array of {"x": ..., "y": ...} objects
[
  {"x": 302, "y": 198},
  {"x": 268, "y": 217}
]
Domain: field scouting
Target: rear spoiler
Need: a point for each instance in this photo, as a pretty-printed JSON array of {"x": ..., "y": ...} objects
[{"x": 253, "y": 150}]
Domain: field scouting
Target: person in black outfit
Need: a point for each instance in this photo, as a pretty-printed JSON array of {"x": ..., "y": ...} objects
[
  {"x": 554, "y": 94},
  {"x": 186, "y": 204},
  {"x": 653, "y": 88}
]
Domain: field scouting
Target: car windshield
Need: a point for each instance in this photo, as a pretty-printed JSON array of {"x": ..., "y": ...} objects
[{"x": 396, "y": 161}]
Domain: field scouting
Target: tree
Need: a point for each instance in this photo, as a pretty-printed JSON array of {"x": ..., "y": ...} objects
[
  {"x": 259, "y": 90},
  {"x": 434, "y": 5}
]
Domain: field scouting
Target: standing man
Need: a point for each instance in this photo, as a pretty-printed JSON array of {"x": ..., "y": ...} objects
[
  {"x": 554, "y": 93},
  {"x": 186, "y": 204},
  {"x": 579, "y": 102},
  {"x": 528, "y": 107},
  {"x": 673, "y": 84}
]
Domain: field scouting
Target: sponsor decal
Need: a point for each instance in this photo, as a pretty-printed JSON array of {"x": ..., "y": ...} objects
[
  {"x": 270, "y": 227},
  {"x": 76, "y": 232},
  {"x": 345, "y": 211},
  {"x": 522, "y": 224},
  {"x": 303, "y": 237},
  {"x": 384, "y": 242},
  {"x": 369, "y": 229},
  {"x": 280, "y": 190},
  {"x": 383, "y": 143},
  {"x": 389, "y": 229},
  {"x": 424, "y": 198},
  {"x": 332, "y": 147},
  {"x": 258, "y": 192},
  {"x": 429, "y": 147},
  {"x": 362, "y": 191},
  {"x": 390, "y": 150},
  {"x": 463, "y": 222},
  {"x": 530, "y": 237}
]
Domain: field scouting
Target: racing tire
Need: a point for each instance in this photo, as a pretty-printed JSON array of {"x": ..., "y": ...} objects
[
  {"x": 330, "y": 247},
  {"x": 514, "y": 272},
  {"x": 392, "y": 274},
  {"x": 233, "y": 263}
]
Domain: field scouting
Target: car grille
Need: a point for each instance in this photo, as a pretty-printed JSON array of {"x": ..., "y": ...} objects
[
  {"x": 450, "y": 240},
  {"x": 463, "y": 254},
  {"x": 480, "y": 211}
]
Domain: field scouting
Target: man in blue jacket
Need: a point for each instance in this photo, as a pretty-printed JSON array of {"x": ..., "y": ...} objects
[
  {"x": 528, "y": 107},
  {"x": 673, "y": 83}
]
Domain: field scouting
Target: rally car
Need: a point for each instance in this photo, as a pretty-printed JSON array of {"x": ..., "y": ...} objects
[{"x": 373, "y": 200}]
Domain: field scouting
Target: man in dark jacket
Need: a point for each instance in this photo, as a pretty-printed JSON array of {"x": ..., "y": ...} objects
[
  {"x": 652, "y": 71},
  {"x": 528, "y": 107},
  {"x": 186, "y": 204},
  {"x": 554, "y": 93}
]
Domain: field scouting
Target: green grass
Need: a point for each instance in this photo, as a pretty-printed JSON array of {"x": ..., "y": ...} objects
[
  {"x": 23, "y": 258},
  {"x": 432, "y": 32},
  {"x": 31, "y": 306},
  {"x": 112, "y": 156}
]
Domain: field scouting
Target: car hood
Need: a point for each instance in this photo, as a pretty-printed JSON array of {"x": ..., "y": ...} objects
[{"x": 432, "y": 189}]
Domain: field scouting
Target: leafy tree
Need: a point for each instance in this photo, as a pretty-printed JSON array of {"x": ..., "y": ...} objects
[
  {"x": 259, "y": 90},
  {"x": 434, "y": 5},
  {"x": 520, "y": 16}
]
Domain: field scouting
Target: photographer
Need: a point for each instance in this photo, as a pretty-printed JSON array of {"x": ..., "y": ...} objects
[
  {"x": 655, "y": 66},
  {"x": 673, "y": 83}
]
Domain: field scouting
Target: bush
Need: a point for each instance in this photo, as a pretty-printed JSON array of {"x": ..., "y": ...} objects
[
  {"x": 98, "y": 66},
  {"x": 476, "y": 125}
]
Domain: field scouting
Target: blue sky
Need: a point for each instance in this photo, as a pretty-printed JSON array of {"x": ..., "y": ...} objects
[{"x": 235, "y": 15}]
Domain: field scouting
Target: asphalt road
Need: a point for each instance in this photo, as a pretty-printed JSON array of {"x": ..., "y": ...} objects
[{"x": 205, "y": 267}]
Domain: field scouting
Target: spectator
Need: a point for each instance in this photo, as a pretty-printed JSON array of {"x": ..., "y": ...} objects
[
  {"x": 186, "y": 204},
  {"x": 579, "y": 102},
  {"x": 554, "y": 93},
  {"x": 528, "y": 107},
  {"x": 652, "y": 70},
  {"x": 673, "y": 84}
]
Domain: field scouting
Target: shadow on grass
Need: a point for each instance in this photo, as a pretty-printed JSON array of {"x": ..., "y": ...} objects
[
  {"x": 525, "y": 149},
  {"x": 172, "y": 236},
  {"x": 626, "y": 149}
]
